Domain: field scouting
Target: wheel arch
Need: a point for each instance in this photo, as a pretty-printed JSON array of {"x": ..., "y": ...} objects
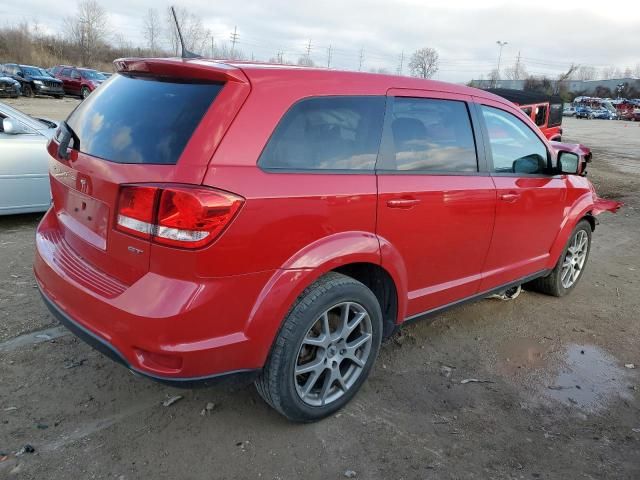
[
  {"x": 582, "y": 210},
  {"x": 354, "y": 254}
]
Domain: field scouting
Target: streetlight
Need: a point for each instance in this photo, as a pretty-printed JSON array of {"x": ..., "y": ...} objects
[{"x": 501, "y": 45}]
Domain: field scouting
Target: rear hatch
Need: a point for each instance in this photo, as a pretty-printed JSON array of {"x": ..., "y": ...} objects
[{"x": 157, "y": 121}]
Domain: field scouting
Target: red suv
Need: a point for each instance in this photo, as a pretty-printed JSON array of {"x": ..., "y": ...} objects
[
  {"x": 213, "y": 220},
  {"x": 78, "y": 81}
]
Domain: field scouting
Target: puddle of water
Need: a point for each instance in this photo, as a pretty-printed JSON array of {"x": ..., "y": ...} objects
[
  {"x": 582, "y": 376},
  {"x": 589, "y": 379},
  {"x": 520, "y": 355}
]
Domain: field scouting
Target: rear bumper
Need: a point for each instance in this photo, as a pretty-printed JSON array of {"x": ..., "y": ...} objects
[
  {"x": 238, "y": 376},
  {"x": 171, "y": 330}
]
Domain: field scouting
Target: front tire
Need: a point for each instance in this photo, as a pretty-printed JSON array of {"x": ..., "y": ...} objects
[
  {"x": 324, "y": 351},
  {"x": 27, "y": 91},
  {"x": 85, "y": 92},
  {"x": 570, "y": 267}
]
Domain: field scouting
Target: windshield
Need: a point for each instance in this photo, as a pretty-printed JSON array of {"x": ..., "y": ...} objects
[
  {"x": 31, "y": 71},
  {"x": 141, "y": 119},
  {"x": 91, "y": 75}
]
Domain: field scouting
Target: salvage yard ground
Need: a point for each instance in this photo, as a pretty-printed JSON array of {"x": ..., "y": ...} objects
[{"x": 557, "y": 400}]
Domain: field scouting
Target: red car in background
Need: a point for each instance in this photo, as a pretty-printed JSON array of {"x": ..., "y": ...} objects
[
  {"x": 78, "y": 81},
  {"x": 215, "y": 220},
  {"x": 544, "y": 110}
]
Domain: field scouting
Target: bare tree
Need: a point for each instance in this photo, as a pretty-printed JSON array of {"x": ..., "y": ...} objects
[
  {"x": 494, "y": 76},
  {"x": 609, "y": 72},
  {"x": 196, "y": 37},
  {"x": 305, "y": 61},
  {"x": 585, "y": 72},
  {"x": 88, "y": 29},
  {"x": 517, "y": 72},
  {"x": 636, "y": 70},
  {"x": 152, "y": 29},
  {"x": 424, "y": 63}
]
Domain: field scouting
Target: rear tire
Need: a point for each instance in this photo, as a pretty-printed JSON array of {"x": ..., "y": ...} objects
[
  {"x": 85, "y": 92},
  {"x": 570, "y": 267},
  {"x": 310, "y": 373}
]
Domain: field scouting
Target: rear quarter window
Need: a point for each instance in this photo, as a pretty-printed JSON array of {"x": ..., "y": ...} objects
[
  {"x": 327, "y": 133},
  {"x": 138, "y": 119}
]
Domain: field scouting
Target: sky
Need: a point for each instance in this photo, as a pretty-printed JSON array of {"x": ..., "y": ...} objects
[{"x": 548, "y": 35}]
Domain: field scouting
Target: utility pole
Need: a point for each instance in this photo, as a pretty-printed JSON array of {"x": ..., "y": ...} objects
[
  {"x": 401, "y": 63},
  {"x": 329, "y": 57},
  {"x": 501, "y": 45},
  {"x": 309, "y": 51},
  {"x": 361, "y": 59},
  {"x": 279, "y": 58},
  {"x": 212, "y": 48},
  {"x": 516, "y": 75},
  {"x": 234, "y": 39}
]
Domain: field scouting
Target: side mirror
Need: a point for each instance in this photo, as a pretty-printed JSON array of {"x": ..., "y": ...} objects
[
  {"x": 20, "y": 74},
  {"x": 533, "y": 163},
  {"x": 569, "y": 163},
  {"x": 11, "y": 127}
]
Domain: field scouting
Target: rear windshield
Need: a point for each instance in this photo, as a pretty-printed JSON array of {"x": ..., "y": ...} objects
[{"x": 136, "y": 119}]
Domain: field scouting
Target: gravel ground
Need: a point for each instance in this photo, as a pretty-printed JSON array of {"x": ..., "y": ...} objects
[{"x": 559, "y": 402}]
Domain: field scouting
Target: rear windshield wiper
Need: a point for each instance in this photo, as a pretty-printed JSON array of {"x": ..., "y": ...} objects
[{"x": 65, "y": 136}]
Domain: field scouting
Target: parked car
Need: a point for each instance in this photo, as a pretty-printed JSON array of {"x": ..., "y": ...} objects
[
  {"x": 275, "y": 223},
  {"x": 604, "y": 114},
  {"x": 584, "y": 112},
  {"x": 8, "y": 86},
  {"x": 632, "y": 115},
  {"x": 78, "y": 81},
  {"x": 569, "y": 112},
  {"x": 544, "y": 110},
  {"x": 34, "y": 80},
  {"x": 24, "y": 162}
]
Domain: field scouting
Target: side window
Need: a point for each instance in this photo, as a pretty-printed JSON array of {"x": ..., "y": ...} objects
[
  {"x": 555, "y": 114},
  {"x": 527, "y": 111},
  {"x": 327, "y": 133},
  {"x": 514, "y": 146},
  {"x": 541, "y": 115},
  {"x": 432, "y": 135},
  {"x": 66, "y": 72}
]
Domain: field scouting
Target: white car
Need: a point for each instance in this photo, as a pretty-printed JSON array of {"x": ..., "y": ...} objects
[
  {"x": 569, "y": 112},
  {"x": 24, "y": 162}
]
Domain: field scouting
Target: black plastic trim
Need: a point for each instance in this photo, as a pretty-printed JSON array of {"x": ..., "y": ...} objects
[
  {"x": 474, "y": 297},
  {"x": 104, "y": 347}
]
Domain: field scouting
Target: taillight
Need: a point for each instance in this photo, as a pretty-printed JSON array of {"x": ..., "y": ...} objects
[{"x": 180, "y": 216}]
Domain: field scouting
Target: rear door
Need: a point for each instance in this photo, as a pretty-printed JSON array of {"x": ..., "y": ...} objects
[
  {"x": 531, "y": 199},
  {"x": 144, "y": 128},
  {"x": 65, "y": 76},
  {"x": 435, "y": 203}
]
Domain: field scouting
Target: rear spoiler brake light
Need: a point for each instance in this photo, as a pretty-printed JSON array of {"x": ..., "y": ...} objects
[{"x": 197, "y": 69}]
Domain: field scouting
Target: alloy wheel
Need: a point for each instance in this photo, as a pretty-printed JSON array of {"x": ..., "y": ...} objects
[
  {"x": 333, "y": 354},
  {"x": 574, "y": 259}
]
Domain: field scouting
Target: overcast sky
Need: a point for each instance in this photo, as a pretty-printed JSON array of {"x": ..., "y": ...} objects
[{"x": 549, "y": 35}]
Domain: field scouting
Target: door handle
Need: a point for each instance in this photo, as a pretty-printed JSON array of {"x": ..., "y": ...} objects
[
  {"x": 510, "y": 197},
  {"x": 402, "y": 202}
]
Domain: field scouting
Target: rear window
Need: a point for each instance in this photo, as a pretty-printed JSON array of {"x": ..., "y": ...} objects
[
  {"x": 327, "y": 133},
  {"x": 137, "y": 119}
]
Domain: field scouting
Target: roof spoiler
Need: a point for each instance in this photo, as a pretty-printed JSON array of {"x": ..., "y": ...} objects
[{"x": 195, "y": 69}]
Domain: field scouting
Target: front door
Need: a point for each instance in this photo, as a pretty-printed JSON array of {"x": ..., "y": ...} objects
[
  {"x": 531, "y": 199},
  {"x": 435, "y": 207}
]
